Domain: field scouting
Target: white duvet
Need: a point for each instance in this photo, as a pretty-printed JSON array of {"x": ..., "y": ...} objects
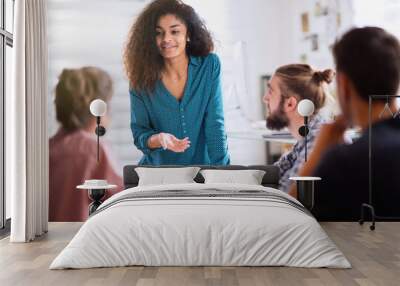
[{"x": 200, "y": 231}]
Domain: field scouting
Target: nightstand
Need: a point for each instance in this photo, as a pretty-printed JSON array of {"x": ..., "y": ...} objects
[
  {"x": 305, "y": 190},
  {"x": 96, "y": 191}
]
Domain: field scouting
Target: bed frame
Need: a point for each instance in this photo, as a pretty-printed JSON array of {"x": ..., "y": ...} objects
[{"x": 270, "y": 179}]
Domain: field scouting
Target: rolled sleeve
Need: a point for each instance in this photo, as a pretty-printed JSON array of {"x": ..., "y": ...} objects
[{"x": 140, "y": 123}]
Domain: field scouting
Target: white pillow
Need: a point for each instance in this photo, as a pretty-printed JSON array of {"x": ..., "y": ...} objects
[
  {"x": 164, "y": 176},
  {"x": 248, "y": 177}
]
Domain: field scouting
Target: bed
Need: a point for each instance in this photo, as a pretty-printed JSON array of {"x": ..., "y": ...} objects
[{"x": 201, "y": 224}]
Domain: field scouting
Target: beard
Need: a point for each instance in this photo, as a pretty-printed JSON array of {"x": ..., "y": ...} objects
[{"x": 277, "y": 120}]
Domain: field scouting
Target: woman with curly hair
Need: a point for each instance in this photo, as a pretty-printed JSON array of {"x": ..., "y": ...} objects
[{"x": 175, "y": 90}]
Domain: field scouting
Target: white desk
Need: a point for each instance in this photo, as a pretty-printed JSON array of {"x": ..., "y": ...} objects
[
  {"x": 279, "y": 137},
  {"x": 262, "y": 135},
  {"x": 268, "y": 136}
]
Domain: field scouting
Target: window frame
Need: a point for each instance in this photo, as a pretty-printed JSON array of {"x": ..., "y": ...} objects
[{"x": 6, "y": 39}]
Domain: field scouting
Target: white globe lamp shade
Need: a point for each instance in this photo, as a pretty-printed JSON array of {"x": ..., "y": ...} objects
[
  {"x": 305, "y": 108},
  {"x": 98, "y": 107}
]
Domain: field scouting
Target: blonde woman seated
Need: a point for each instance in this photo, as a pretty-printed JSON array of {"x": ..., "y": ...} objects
[
  {"x": 288, "y": 86},
  {"x": 73, "y": 150}
]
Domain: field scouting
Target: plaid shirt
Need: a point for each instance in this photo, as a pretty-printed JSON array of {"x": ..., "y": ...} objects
[{"x": 290, "y": 163}]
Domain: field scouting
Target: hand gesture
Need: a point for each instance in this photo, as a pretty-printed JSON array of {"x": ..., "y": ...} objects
[{"x": 170, "y": 142}]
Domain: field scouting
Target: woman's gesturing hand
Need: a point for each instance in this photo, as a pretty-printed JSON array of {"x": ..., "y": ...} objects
[{"x": 170, "y": 142}]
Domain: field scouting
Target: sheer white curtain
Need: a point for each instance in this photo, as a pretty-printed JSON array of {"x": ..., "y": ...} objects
[{"x": 26, "y": 115}]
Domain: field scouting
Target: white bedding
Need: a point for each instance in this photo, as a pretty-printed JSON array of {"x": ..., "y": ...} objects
[{"x": 183, "y": 231}]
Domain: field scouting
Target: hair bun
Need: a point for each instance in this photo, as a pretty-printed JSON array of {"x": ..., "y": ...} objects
[{"x": 324, "y": 76}]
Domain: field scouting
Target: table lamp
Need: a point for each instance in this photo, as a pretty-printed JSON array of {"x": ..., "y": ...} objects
[
  {"x": 305, "y": 185},
  {"x": 305, "y": 108},
  {"x": 98, "y": 108}
]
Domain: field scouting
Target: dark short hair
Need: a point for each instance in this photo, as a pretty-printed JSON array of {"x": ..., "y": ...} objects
[{"x": 370, "y": 57}]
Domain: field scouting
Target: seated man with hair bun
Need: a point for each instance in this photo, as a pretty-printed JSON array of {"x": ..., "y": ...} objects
[{"x": 288, "y": 86}]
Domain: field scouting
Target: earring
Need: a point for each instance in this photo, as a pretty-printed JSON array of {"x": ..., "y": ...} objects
[{"x": 188, "y": 40}]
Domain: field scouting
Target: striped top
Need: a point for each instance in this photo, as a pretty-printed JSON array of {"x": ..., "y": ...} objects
[
  {"x": 290, "y": 163},
  {"x": 198, "y": 115}
]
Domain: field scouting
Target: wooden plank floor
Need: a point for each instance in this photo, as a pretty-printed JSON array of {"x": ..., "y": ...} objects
[{"x": 375, "y": 257}]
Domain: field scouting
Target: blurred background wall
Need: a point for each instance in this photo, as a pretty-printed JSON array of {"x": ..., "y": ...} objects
[{"x": 253, "y": 38}]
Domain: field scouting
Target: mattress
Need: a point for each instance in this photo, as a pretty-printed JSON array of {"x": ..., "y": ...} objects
[{"x": 201, "y": 225}]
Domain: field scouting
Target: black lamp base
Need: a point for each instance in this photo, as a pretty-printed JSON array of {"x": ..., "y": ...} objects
[
  {"x": 305, "y": 190},
  {"x": 95, "y": 195},
  {"x": 100, "y": 130},
  {"x": 305, "y": 193},
  {"x": 303, "y": 130}
]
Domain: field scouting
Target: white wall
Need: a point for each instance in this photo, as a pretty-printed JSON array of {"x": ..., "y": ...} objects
[
  {"x": 338, "y": 19},
  {"x": 325, "y": 26},
  {"x": 383, "y": 13}
]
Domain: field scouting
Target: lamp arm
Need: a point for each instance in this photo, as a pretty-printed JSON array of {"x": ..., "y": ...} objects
[
  {"x": 305, "y": 146},
  {"x": 98, "y": 138},
  {"x": 98, "y": 108}
]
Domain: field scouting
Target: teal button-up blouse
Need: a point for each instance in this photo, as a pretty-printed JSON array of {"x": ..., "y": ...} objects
[{"x": 198, "y": 115}]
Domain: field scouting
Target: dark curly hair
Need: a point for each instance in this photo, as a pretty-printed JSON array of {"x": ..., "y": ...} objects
[{"x": 142, "y": 60}]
